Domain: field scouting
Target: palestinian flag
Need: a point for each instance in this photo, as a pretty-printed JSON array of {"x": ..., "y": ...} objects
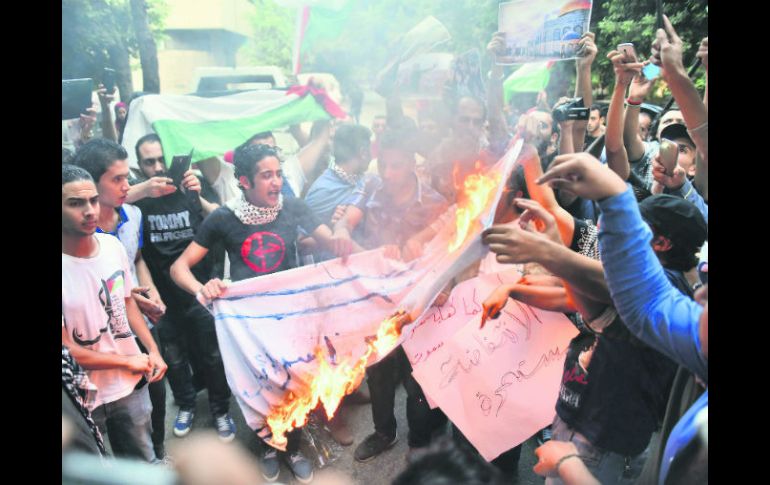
[
  {"x": 529, "y": 78},
  {"x": 211, "y": 126}
]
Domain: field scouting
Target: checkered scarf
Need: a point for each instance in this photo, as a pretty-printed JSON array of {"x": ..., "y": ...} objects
[
  {"x": 341, "y": 173},
  {"x": 251, "y": 214},
  {"x": 81, "y": 390}
]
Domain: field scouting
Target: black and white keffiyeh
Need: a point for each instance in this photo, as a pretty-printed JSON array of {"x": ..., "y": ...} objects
[
  {"x": 341, "y": 173},
  {"x": 76, "y": 383},
  {"x": 251, "y": 214}
]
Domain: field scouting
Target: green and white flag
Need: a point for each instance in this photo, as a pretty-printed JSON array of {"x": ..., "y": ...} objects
[
  {"x": 211, "y": 126},
  {"x": 529, "y": 78}
]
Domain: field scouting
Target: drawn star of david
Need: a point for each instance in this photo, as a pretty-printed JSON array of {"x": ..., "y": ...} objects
[{"x": 263, "y": 251}]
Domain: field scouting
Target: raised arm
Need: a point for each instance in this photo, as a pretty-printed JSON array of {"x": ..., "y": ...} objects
[
  {"x": 667, "y": 52},
  {"x": 309, "y": 154},
  {"x": 108, "y": 126},
  {"x": 632, "y": 140},
  {"x": 514, "y": 244},
  {"x": 625, "y": 70},
  {"x": 498, "y": 128},
  {"x": 587, "y": 46},
  {"x": 648, "y": 304},
  {"x": 153, "y": 187},
  {"x": 543, "y": 194}
]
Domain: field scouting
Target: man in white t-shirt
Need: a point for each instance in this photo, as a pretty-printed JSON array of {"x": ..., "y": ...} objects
[{"x": 101, "y": 319}]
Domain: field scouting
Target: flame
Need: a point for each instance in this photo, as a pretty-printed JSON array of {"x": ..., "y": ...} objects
[
  {"x": 477, "y": 188},
  {"x": 331, "y": 383}
]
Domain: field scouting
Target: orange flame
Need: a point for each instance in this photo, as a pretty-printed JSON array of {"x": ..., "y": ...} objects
[
  {"x": 477, "y": 188},
  {"x": 331, "y": 384}
]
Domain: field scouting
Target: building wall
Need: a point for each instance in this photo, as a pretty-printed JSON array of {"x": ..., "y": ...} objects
[{"x": 200, "y": 33}]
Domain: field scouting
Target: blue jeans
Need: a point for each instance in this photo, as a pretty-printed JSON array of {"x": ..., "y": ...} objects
[
  {"x": 127, "y": 424},
  {"x": 608, "y": 467}
]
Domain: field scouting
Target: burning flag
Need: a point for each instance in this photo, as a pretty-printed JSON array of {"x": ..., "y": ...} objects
[{"x": 299, "y": 338}]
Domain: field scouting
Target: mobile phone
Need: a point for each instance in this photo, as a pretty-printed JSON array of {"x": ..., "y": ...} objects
[
  {"x": 669, "y": 153},
  {"x": 108, "y": 79},
  {"x": 651, "y": 71},
  {"x": 179, "y": 165},
  {"x": 75, "y": 97},
  {"x": 627, "y": 49}
]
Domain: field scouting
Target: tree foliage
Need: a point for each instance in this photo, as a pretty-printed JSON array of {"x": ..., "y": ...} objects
[
  {"x": 618, "y": 21},
  {"x": 99, "y": 33},
  {"x": 362, "y": 47}
]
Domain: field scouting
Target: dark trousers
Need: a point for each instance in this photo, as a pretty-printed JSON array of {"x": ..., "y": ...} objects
[
  {"x": 507, "y": 462},
  {"x": 158, "y": 400},
  {"x": 383, "y": 379},
  {"x": 195, "y": 324}
]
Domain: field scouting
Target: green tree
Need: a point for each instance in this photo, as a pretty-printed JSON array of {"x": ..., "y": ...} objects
[
  {"x": 99, "y": 33},
  {"x": 618, "y": 21},
  {"x": 273, "y": 36}
]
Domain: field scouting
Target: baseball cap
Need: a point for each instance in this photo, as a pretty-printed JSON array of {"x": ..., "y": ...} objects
[
  {"x": 675, "y": 131},
  {"x": 676, "y": 218}
]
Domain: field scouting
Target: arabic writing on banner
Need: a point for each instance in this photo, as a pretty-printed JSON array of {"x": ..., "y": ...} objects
[
  {"x": 441, "y": 322},
  {"x": 499, "y": 384}
]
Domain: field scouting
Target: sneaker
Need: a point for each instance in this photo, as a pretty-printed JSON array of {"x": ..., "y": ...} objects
[
  {"x": 225, "y": 427},
  {"x": 373, "y": 445},
  {"x": 270, "y": 467},
  {"x": 544, "y": 435},
  {"x": 183, "y": 423},
  {"x": 301, "y": 467}
]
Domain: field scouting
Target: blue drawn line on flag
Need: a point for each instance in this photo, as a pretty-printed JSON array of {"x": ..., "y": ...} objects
[
  {"x": 320, "y": 286},
  {"x": 281, "y": 316}
]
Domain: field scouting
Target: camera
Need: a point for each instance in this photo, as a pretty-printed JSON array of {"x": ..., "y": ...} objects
[{"x": 571, "y": 110}]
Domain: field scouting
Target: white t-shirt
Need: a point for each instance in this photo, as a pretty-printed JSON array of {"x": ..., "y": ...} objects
[{"x": 93, "y": 293}]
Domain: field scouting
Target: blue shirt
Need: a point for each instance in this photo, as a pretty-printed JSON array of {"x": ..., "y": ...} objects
[
  {"x": 129, "y": 232},
  {"x": 326, "y": 193},
  {"x": 649, "y": 305}
]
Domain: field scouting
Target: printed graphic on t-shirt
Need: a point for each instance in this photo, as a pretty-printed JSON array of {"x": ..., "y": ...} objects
[
  {"x": 170, "y": 227},
  {"x": 112, "y": 297},
  {"x": 575, "y": 377},
  {"x": 263, "y": 252}
]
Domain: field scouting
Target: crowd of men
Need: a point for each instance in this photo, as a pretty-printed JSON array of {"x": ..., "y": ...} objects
[{"x": 616, "y": 227}]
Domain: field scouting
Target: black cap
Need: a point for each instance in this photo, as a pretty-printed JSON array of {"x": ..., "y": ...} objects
[
  {"x": 674, "y": 131},
  {"x": 676, "y": 218}
]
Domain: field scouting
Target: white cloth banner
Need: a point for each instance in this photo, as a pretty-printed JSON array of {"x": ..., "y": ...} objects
[{"x": 269, "y": 327}]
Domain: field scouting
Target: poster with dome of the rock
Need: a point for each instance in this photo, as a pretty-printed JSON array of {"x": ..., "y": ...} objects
[{"x": 542, "y": 30}]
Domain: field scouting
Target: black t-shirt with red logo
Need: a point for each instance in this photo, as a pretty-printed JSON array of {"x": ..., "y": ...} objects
[{"x": 256, "y": 250}]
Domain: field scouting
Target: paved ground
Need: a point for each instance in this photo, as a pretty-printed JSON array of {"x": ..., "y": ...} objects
[{"x": 380, "y": 471}]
